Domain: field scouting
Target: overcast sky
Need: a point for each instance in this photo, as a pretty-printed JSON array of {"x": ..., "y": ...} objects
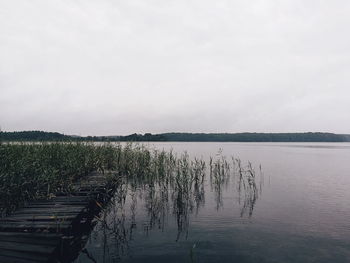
[{"x": 108, "y": 67}]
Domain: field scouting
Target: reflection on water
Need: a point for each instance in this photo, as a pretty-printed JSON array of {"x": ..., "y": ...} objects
[
  {"x": 178, "y": 194},
  {"x": 302, "y": 215}
]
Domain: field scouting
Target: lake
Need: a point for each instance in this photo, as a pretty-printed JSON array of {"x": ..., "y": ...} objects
[{"x": 301, "y": 212}]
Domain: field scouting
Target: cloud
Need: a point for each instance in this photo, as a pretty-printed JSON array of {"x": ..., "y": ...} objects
[{"x": 118, "y": 67}]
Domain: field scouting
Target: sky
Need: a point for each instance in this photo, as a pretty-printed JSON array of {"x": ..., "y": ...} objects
[{"x": 112, "y": 67}]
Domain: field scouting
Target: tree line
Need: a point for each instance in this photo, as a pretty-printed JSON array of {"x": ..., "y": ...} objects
[{"x": 180, "y": 137}]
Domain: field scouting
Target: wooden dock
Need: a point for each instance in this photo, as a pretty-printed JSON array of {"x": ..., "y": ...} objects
[{"x": 43, "y": 229}]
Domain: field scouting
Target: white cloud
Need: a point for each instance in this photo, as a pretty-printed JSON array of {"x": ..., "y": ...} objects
[{"x": 117, "y": 67}]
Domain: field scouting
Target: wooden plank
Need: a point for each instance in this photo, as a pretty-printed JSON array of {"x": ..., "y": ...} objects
[
  {"x": 60, "y": 202},
  {"x": 42, "y": 206},
  {"x": 53, "y": 210},
  {"x": 49, "y": 213},
  {"x": 59, "y": 198},
  {"x": 57, "y": 213},
  {"x": 54, "y": 206},
  {"x": 20, "y": 240},
  {"x": 7, "y": 259},
  {"x": 25, "y": 255},
  {"x": 32, "y": 235},
  {"x": 39, "y": 218},
  {"x": 32, "y": 240},
  {"x": 34, "y": 223},
  {"x": 39, "y": 249},
  {"x": 35, "y": 226}
]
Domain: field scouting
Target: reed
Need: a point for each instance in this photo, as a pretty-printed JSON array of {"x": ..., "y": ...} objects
[
  {"x": 39, "y": 170},
  {"x": 31, "y": 171}
]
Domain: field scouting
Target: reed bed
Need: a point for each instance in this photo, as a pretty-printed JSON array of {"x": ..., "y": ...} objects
[
  {"x": 30, "y": 171},
  {"x": 175, "y": 185}
]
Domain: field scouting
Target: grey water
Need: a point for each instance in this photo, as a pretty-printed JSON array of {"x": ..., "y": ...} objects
[{"x": 302, "y": 213}]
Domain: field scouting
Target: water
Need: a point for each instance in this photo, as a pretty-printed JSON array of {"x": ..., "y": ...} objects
[{"x": 301, "y": 215}]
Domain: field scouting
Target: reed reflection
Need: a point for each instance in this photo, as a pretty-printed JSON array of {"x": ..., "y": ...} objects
[{"x": 175, "y": 191}]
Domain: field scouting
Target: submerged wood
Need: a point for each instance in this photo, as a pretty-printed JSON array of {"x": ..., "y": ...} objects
[{"x": 45, "y": 230}]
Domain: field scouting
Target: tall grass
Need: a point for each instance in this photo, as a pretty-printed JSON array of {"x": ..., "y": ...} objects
[
  {"x": 31, "y": 171},
  {"x": 175, "y": 185},
  {"x": 39, "y": 170}
]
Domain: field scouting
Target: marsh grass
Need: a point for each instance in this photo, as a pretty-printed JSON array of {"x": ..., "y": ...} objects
[
  {"x": 175, "y": 185},
  {"x": 169, "y": 185},
  {"x": 31, "y": 171},
  {"x": 39, "y": 170}
]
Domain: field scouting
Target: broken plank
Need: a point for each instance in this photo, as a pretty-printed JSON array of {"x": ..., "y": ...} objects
[{"x": 40, "y": 249}]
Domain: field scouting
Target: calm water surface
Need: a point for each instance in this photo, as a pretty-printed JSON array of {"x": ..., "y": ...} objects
[{"x": 301, "y": 215}]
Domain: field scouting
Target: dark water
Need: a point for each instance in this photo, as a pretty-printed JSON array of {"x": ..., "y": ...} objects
[{"x": 301, "y": 215}]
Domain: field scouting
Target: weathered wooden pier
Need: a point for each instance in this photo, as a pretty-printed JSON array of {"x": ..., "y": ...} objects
[{"x": 45, "y": 230}]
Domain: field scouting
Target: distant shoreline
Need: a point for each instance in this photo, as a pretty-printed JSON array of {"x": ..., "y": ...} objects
[{"x": 179, "y": 137}]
